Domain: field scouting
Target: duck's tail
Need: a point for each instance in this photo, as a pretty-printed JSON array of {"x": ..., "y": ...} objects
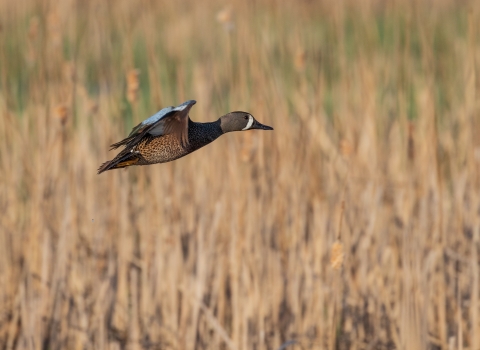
[{"x": 122, "y": 160}]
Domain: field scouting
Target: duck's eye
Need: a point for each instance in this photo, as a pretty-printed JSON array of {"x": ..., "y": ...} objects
[{"x": 246, "y": 117}]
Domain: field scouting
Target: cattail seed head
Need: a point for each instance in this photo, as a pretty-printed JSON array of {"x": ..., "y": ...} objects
[
  {"x": 61, "y": 113},
  {"x": 300, "y": 60},
  {"x": 346, "y": 148},
  {"x": 336, "y": 257},
  {"x": 33, "y": 28},
  {"x": 133, "y": 85},
  {"x": 225, "y": 17}
]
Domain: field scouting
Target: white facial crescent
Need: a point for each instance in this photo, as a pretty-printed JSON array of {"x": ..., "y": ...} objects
[{"x": 249, "y": 124}]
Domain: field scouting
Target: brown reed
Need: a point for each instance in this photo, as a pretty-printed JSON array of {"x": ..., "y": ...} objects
[{"x": 239, "y": 246}]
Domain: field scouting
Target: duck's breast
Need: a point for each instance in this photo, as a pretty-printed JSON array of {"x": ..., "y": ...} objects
[{"x": 161, "y": 149}]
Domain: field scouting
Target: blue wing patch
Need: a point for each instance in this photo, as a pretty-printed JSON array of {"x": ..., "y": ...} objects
[{"x": 159, "y": 115}]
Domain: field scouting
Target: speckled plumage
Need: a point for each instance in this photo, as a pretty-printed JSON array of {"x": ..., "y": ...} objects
[
  {"x": 170, "y": 134},
  {"x": 165, "y": 148}
]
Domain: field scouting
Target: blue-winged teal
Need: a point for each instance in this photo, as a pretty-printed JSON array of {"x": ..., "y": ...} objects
[{"x": 170, "y": 134}]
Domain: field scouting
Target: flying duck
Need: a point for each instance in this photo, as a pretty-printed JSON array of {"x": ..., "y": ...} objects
[{"x": 171, "y": 134}]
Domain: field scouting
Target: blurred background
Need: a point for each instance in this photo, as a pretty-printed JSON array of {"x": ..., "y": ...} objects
[{"x": 354, "y": 225}]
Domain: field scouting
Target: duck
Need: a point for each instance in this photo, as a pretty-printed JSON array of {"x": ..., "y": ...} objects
[{"x": 170, "y": 134}]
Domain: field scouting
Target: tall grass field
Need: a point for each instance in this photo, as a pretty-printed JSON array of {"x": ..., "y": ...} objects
[{"x": 355, "y": 224}]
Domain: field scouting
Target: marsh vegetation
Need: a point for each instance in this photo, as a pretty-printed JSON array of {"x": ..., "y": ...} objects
[{"x": 354, "y": 225}]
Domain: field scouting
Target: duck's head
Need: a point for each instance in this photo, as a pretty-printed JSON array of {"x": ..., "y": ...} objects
[{"x": 240, "y": 121}]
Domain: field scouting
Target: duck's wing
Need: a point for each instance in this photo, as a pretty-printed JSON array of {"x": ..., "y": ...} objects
[{"x": 169, "y": 120}]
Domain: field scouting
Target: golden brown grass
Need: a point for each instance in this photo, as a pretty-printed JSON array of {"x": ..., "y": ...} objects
[{"x": 375, "y": 105}]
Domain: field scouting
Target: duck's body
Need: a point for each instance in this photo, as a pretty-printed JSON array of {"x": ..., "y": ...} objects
[
  {"x": 170, "y": 134},
  {"x": 162, "y": 149}
]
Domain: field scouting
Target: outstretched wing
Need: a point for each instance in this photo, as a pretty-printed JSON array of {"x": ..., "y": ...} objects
[{"x": 169, "y": 120}]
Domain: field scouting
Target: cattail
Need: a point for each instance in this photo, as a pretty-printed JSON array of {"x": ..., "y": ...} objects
[
  {"x": 33, "y": 28},
  {"x": 61, "y": 113},
  {"x": 133, "y": 85},
  {"x": 346, "y": 148},
  {"x": 336, "y": 257},
  {"x": 300, "y": 60},
  {"x": 225, "y": 17},
  {"x": 54, "y": 26}
]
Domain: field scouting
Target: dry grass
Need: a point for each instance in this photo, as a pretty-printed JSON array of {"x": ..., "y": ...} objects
[{"x": 375, "y": 105}]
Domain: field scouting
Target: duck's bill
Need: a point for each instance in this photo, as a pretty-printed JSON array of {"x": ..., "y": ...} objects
[{"x": 257, "y": 125}]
